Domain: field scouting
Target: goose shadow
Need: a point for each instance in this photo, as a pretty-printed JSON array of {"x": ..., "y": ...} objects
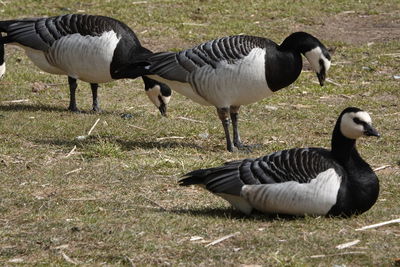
[
  {"x": 128, "y": 145},
  {"x": 31, "y": 108},
  {"x": 231, "y": 213},
  {"x": 48, "y": 108},
  {"x": 125, "y": 145}
]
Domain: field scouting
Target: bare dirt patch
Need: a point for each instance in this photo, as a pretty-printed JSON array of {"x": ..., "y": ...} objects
[{"x": 352, "y": 28}]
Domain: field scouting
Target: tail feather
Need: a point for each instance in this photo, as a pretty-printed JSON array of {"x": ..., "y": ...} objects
[
  {"x": 5, "y": 24},
  {"x": 223, "y": 179},
  {"x": 193, "y": 177}
]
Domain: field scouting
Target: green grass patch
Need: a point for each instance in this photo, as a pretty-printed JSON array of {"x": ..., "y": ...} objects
[{"x": 115, "y": 199}]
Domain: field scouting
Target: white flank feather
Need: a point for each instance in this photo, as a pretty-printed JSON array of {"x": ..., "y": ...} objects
[
  {"x": 237, "y": 202},
  {"x": 2, "y": 69},
  {"x": 38, "y": 57},
  {"x": 234, "y": 84},
  {"x": 87, "y": 58},
  {"x": 314, "y": 198}
]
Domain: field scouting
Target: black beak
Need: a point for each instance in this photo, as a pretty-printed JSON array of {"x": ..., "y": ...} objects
[
  {"x": 163, "y": 109},
  {"x": 321, "y": 77},
  {"x": 370, "y": 131}
]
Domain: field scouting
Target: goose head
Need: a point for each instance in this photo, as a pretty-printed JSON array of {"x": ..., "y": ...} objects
[
  {"x": 355, "y": 123},
  {"x": 320, "y": 61},
  {"x": 158, "y": 93},
  {"x": 315, "y": 52}
]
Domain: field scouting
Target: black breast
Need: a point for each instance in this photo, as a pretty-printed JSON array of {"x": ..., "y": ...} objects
[
  {"x": 359, "y": 189},
  {"x": 281, "y": 67}
]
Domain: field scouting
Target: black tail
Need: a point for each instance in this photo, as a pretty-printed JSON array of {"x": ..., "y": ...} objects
[
  {"x": 194, "y": 177},
  {"x": 133, "y": 70},
  {"x": 223, "y": 179},
  {"x": 136, "y": 66},
  {"x": 5, "y": 25}
]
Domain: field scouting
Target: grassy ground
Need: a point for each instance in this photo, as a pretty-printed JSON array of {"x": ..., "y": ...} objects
[{"x": 115, "y": 200}]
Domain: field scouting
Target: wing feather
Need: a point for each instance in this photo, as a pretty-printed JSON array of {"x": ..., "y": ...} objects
[
  {"x": 41, "y": 33},
  {"x": 179, "y": 66},
  {"x": 294, "y": 165}
]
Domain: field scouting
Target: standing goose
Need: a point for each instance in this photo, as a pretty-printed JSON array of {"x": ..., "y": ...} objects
[
  {"x": 94, "y": 49},
  {"x": 236, "y": 70},
  {"x": 299, "y": 181}
]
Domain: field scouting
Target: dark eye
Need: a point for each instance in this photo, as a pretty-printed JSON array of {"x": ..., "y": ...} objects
[
  {"x": 357, "y": 121},
  {"x": 322, "y": 66},
  {"x": 161, "y": 100}
]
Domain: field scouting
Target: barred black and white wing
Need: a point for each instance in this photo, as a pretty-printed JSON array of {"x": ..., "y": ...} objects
[
  {"x": 41, "y": 33},
  {"x": 299, "y": 164},
  {"x": 227, "y": 50},
  {"x": 295, "y": 181}
]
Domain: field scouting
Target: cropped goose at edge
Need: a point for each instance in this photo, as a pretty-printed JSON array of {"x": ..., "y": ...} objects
[{"x": 85, "y": 47}]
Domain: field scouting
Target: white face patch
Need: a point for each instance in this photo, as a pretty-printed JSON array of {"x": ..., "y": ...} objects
[
  {"x": 153, "y": 94},
  {"x": 313, "y": 56},
  {"x": 166, "y": 99},
  {"x": 349, "y": 128},
  {"x": 327, "y": 62}
]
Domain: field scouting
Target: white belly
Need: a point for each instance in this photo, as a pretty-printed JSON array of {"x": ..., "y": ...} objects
[{"x": 86, "y": 58}]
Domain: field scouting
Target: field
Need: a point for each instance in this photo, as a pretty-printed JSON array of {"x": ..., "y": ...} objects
[{"x": 113, "y": 198}]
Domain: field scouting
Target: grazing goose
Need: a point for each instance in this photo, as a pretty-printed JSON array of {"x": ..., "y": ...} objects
[
  {"x": 300, "y": 181},
  {"x": 94, "y": 49},
  {"x": 236, "y": 70}
]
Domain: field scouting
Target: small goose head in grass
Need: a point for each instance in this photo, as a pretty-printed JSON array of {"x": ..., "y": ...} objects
[{"x": 158, "y": 93}]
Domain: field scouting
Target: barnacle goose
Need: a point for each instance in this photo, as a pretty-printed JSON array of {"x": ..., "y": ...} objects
[
  {"x": 299, "y": 181},
  {"x": 94, "y": 49},
  {"x": 232, "y": 71}
]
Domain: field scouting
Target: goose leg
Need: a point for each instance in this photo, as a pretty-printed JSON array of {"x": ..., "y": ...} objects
[
  {"x": 72, "y": 89},
  {"x": 224, "y": 117},
  {"x": 234, "y": 112},
  {"x": 94, "y": 87}
]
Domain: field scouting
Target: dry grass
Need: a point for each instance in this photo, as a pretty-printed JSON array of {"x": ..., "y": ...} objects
[{"x": 115, "y": 199}]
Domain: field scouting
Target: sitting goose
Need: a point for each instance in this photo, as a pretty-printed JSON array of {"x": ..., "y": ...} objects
[
  {"x": 232, "y": 71},
  {"x": 299, "y": 181},
  {"x": 85, "y": 47}
]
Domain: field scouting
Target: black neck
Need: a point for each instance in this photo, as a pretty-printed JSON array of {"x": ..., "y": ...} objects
[
  {"x": 342, "y": 147},
  {"x": 283, "y": 64},
  {"x": 300, "y": 42},
  {"x": 282, "y": 68}
]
